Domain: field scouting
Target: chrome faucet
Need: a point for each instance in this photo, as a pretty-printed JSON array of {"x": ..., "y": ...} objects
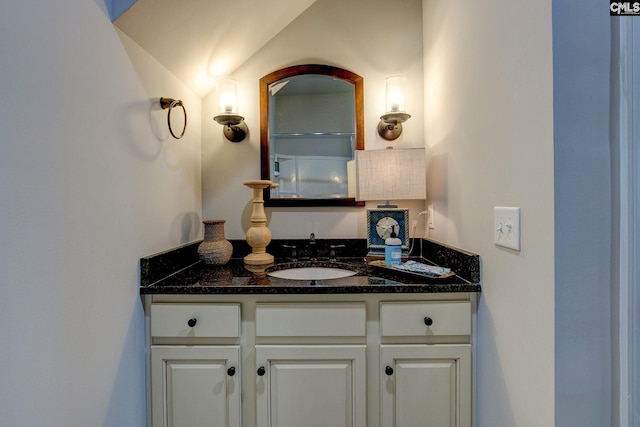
[{"x": 313, "y": 248}]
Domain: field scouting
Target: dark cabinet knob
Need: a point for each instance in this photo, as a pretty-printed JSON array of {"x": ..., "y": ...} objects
[
  {"x": 261, "y": 371},
  {"x": 388, "y": 370},
  {"x": 192, "y": 322},
  {"x": 428, "y": 321},
  {"x": 231, "y": 371}
]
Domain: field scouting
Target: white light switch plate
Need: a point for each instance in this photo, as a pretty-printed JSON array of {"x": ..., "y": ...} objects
[{"x": 507, "y": 227}]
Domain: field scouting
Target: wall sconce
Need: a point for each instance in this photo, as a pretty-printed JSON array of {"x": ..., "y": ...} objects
[
  {"x": 390, "y": 125},
  {"x": 391, "y": 174},
  {"x": 235, "y": 129}
]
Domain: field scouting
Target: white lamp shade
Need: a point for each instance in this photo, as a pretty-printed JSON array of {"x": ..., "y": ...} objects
[{"x": 392, "y": 174}]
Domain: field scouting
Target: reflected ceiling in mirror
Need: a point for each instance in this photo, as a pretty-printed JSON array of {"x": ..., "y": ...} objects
[{"x": 311, "y": 123}]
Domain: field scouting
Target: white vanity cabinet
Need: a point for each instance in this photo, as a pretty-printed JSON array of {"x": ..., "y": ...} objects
[
  {"x": 319, "y": 379},
  {"x": 311, "y": 386},
  {"x": 425, "y": 384},
  {"x": 291, "y": 360},
  {"x": 195, "y": 385}
]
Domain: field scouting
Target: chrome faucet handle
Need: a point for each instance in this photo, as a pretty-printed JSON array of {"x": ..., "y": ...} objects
[
  {"x": 332, "y": 252},
  {"x": 293, "y": 248}
]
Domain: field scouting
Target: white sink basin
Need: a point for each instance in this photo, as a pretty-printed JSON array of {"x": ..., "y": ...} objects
[{"x": 312, "y": 273}]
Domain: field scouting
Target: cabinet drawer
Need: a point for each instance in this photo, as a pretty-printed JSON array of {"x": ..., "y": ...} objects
[
  {"x": 425, "y": 318},
  {"x": 195, "y": 320},
  {"x": 311, "y": 320}
]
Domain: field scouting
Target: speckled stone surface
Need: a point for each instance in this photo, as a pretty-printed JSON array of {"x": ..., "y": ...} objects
[{"x": 178, "y": 271}]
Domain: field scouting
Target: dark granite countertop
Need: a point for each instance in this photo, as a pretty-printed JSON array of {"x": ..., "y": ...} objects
[{"x": 179, "y": 271}]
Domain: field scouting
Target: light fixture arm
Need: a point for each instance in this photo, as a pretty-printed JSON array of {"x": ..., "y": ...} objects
[
  {"x": 390, "y": 125},
  {"x": 235, "y": 129},
  {"x": 236, "y": 133}
]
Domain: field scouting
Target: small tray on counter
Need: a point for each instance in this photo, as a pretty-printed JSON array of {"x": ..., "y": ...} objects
[{"x": 381, "y": 266}]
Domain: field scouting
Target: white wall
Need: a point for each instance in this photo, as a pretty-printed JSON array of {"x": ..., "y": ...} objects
[
  {"x": 90, "y": 181},
  {"x": 86, "y": 189},
  {"x": 489, "y": 130},
  {"x": 584, "y": 183},
  {"x": 359, "y": 35}
]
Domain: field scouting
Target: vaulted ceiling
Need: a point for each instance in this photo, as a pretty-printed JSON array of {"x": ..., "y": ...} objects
[{"x": 200, "y": 40}]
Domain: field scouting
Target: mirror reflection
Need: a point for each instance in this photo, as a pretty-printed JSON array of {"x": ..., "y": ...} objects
[{"x": 311, "y": 124}]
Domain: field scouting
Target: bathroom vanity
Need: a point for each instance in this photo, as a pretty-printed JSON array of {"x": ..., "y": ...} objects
[{"x": 233, "y": 347}]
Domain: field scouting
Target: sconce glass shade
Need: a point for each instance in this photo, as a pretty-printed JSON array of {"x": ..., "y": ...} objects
[
  {"x": 394, "y": 101},
  {"x": 390, "y": 125},
  {"x": 235, "y": 129},
  {"x": 227, "y": 96},
  {"x": 391, "y": 174}
]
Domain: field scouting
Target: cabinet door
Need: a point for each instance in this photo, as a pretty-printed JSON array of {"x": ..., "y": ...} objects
[
  {"x": 195, "y": 386},
  {"x": 426, "y": 385},
  {"x": 311, "y": 386}
]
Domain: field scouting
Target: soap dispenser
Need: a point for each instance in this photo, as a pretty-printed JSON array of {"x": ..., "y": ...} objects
[{"x": 393, "y": 249}]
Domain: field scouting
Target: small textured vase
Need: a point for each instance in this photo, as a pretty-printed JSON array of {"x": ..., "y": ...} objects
[{"x": 215, "y": 249}]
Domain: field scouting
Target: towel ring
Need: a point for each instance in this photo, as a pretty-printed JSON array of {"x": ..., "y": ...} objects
[{"x": 170, "y": 103}]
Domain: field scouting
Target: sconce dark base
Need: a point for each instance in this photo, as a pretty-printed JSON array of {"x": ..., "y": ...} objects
[
  {"x": 236, "y": 133},
  {"x": 389, "y": 131}
]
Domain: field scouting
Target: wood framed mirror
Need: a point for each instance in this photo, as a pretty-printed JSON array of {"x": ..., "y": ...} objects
[{"x": 311, "y": 123}]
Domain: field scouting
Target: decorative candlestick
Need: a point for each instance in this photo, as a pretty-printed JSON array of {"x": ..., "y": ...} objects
[{"x": 258, "y": 235}]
